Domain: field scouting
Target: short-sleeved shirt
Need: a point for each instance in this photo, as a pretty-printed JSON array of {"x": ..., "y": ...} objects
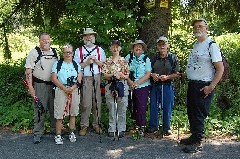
[
  {"x": 85, "y": 55},
  {"x": 67, "y": 71},
  {"x": 42, "y": 69},
  {"x": 199, "y": 66},
  {"x": 111, "y": 67},
  {"x": 139, "y": 68},
  {"x": 165, "y": 66}
]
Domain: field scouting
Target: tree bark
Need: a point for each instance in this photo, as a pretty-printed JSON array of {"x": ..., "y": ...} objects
[{"x": 157, "y": 26}]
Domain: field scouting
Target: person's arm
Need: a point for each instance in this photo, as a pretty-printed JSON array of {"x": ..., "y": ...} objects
[
  {"x": 29, "y": 79},
  {"x": 219, "y": 68},
  {"x": 143, "y": 79},
  {"x": 218, "y": 74}
]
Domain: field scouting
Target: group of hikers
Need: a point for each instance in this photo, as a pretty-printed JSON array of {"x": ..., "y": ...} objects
[{"x": 77, "y": 79}]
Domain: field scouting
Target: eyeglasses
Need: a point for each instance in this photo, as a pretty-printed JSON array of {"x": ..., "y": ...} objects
[
  {"x": 68, "y": 52},
  {"x": 199, "y": 26}
]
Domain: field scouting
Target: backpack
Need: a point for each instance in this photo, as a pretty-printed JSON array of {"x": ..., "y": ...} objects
[
  {"x": 59, "y": 65},
  {"x": 131, "y": 75},
  {"x": 40, "y": 54},
  {"x": 226, "y": 71},
  {"x": 170, "y": 58}
]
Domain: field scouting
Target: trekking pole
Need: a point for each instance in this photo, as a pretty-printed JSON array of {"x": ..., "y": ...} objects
[
  {"x": 94, "y": 90},
  {"x": 162, "y": 110},
  {"x": 36, "y": 100},
  {"x": 116, "y": 114}
]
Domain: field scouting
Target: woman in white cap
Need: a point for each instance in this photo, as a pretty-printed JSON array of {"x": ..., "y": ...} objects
[
  {"x": 140, "y": 70},
  {"x": 115, "y": 70}
]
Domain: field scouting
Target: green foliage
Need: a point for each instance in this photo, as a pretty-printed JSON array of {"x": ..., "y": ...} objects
[{"x": 15, "y": 104}]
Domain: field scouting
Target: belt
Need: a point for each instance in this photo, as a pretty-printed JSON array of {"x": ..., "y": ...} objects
[
  {"x": 200, "y": 82},
  {"x": 37, "y": 80}
]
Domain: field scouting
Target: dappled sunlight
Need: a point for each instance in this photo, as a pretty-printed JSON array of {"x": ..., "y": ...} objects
[{"x": 114, "y": 153}]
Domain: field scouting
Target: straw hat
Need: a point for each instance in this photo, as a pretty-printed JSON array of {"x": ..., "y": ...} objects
[
  {"x": 138, "y": 42},
  {"x": 89, "y": 31}
]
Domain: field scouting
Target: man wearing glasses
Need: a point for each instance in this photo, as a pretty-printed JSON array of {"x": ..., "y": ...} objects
[{"x": 204, "y": 70}]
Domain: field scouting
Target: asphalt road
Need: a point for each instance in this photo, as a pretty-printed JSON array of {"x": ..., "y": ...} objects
[{"x": 20, "y": 146}]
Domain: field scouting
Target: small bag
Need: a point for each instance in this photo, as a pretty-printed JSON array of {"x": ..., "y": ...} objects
[{"x": 117, "y": 86}]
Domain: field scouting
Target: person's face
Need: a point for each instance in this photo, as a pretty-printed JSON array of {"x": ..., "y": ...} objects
[
  {"x": 89, "y": 39},
  {"x": 45, "y": 42},
  {"x": 200, "y": 29},
  {"x": 138, "y": 49},
  {"x": 115, "y": 48},
  {"x": 67, "y": 53},
  {"x": 162, "y": 46}
]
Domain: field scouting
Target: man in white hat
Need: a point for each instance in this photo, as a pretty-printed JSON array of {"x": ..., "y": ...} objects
[
  {"x": 91, "y": 58},
  {"x": 140, "y": 70}
]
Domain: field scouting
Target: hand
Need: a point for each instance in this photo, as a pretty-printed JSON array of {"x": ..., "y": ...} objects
[
  {"x": 163, "y": 77},
  {"x": 206, "y": 90},
  {"x": 155, "y": 77},
  {"x": 120, "y": 75}
]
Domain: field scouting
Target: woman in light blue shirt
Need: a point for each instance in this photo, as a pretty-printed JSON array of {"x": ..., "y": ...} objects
[{"x": 139, "y": 82}]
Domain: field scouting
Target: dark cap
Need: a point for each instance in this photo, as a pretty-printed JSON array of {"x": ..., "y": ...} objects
[{"x": 116, "y": 42}]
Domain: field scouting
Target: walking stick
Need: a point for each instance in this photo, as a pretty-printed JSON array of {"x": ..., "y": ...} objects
[
  {"x": 36, "y": 100},
  {"x": 162, "y": 110},
  {"x": 114, "y": 94}
]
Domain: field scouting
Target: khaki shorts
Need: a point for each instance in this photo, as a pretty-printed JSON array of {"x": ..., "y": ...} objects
[{"x": 60, "y": 108}]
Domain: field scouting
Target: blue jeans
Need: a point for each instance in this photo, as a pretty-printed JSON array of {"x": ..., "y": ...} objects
[
  {"x": 197, "y": 107},
  {"x": 161, "y": 99}
]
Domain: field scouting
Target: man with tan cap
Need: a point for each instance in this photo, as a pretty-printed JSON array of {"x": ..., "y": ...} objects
[
  {"x": 140, "y": 70},
  {"x": 204, "y": 70},
  {"x": 165, "y": 67},
  {"x": 91, "y": 58}
]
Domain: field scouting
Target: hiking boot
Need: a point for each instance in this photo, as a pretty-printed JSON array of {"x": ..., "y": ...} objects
[
  {"x": 111, "y": 134},
  {"x": 72, "y": 137},
  {"x": 58, "y": 140},
  {"x": 83, "y": 131},
  {"x": 141, "y": 132},
  {"x": 189, "y": 141},
  {"x": 121, "y": 134},
  {"x": 152, "y": 130},
  {"x": 193, "y": 148},
  {"x": 36, "y": 139},
  {"x": 167, "y": 133},
  {"x": 97, "y": 129}
]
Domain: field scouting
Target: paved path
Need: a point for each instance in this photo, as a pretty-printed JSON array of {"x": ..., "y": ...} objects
[{"x": 20, "y": 146}]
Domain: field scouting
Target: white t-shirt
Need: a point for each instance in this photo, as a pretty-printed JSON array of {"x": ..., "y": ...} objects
[
  {"x": 199, "y": 66},
  {"x": 86, "y": 71}
]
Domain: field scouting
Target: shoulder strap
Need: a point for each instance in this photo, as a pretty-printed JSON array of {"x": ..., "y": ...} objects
[
  {"x": 209, "y": 45},
  {"x": 98, "y": 53},
  {"x": 54, "y": 52},
  {"x": 81, "y": 54},
  {"x": 59, "y": 65},
  {"x": 170, "y": 58},
  {"x": 39, "y": 54},
  {"x": 145, "y": 58},
  {"x": 75, "y": 65},
  {"x": 131, "y": 57}
]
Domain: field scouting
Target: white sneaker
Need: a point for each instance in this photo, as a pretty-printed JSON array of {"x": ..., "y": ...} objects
[
  {"x": 58, "y": 140},
  {"x": 72, "y": 137}
]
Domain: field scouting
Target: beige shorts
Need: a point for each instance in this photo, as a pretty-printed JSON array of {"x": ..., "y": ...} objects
[{"x": 61, "y": 108}]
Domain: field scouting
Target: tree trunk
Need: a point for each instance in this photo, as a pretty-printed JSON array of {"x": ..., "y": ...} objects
[{"x": 157, "y": 26}]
